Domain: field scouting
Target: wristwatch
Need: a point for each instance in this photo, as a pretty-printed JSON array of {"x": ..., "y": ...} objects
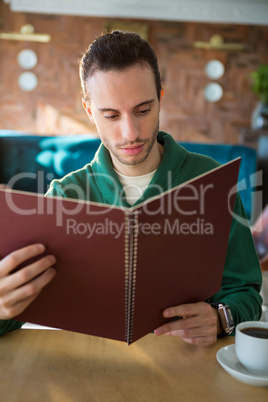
[{"x": 226, "y": 317}]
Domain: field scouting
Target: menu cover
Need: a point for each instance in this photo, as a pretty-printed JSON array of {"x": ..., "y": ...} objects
[{"x": 119, "y": 268}]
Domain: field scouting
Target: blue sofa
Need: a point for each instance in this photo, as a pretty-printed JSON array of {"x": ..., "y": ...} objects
[{"x": 30, "y": 162}]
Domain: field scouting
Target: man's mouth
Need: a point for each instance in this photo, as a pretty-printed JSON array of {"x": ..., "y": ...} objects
[{"x": 133, "y": 149}]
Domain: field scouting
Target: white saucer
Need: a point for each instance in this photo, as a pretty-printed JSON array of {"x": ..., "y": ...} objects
[{"x": 228, "y": 360}]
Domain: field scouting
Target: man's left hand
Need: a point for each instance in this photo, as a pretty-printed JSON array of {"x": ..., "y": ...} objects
[{"x": 199, "y": 325}]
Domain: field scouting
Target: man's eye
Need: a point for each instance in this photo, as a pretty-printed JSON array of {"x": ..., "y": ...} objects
[
  {"x": 143, "y": 111},
  {"x": 112, "y": 117}
]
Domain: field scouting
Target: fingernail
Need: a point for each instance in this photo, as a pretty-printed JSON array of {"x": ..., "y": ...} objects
[
  {"x": 41, "y": 247},
  {"x": 166, "y": 313},
  {"x": 52, "y": 259}
]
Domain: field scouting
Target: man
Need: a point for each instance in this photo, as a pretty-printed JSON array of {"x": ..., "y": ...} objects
[{"x": 122, "y": 96}]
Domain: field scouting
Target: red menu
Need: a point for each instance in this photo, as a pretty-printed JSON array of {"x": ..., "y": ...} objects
[{"x": 119, "y": 268}]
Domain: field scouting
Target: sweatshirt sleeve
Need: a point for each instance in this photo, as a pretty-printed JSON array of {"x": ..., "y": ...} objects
[
  {"x": 9, "y": 325},
  {"x": 242, "y": 277}
]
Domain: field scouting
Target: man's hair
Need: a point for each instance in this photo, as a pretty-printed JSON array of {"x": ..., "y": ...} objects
[{"x": 117, "y": 50}]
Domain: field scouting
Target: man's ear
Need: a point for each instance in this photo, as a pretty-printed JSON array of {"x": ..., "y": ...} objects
[{"x": 88, "y": 111}]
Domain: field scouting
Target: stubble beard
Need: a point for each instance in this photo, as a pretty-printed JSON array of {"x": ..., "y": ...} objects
[{"x": 148, "y": 143}]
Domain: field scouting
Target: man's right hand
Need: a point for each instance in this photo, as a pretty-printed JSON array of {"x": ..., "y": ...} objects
[{"x": 19, "y": 289}]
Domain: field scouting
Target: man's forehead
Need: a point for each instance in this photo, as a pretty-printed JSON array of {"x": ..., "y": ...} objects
[{"x": 116, "y": 89}]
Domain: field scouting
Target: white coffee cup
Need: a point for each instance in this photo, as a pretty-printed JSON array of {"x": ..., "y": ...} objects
[{"x": 252, "y": 351}]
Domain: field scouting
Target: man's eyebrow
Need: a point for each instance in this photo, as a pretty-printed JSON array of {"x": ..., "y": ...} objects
[
  {"x": 147, "y": 102},
  {"x": 108, "y": 109}
]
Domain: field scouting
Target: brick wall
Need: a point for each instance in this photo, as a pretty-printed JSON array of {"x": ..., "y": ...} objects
[{"x": 55, "y": 105}]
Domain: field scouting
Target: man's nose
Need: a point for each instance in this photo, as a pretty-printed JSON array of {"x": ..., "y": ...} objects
[{"x": 129, "y": 129}]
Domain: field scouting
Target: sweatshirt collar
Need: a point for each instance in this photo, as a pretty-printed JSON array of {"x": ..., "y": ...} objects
[{"x": 109, "y": 183}]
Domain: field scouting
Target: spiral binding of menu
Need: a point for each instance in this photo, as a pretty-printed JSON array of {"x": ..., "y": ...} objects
[{"x": 131, "y": 249}]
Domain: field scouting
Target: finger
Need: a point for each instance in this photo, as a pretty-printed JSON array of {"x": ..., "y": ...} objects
[
  {"x": 201, "y": 341},
  {"x": 185, "y": 310},
  {"x": 14, "y": 259},
  {"x": 206, "y": 320},
  {"x": 18, "y": 308},
  {"x": 205, "y": 323},
  {"x": 196, "y": 339},
  {"x": 177, "y": 328},
  {"x": 194, "y": 332},
  {"x": 26, "y": 274},
  {"x": 15, "y": 302},
  {"x": 168, "y": 328}
]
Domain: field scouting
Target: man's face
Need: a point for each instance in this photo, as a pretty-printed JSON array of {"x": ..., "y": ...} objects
[{"x": 125, "y": 109}]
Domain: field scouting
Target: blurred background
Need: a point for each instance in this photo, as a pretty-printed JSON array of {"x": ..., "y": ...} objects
[{"x": 207, "y": 51}]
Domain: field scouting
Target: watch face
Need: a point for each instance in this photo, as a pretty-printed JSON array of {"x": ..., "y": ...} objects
[
  {"x": 229, "y": 316},
  {"x": 226, "y": 318}
]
